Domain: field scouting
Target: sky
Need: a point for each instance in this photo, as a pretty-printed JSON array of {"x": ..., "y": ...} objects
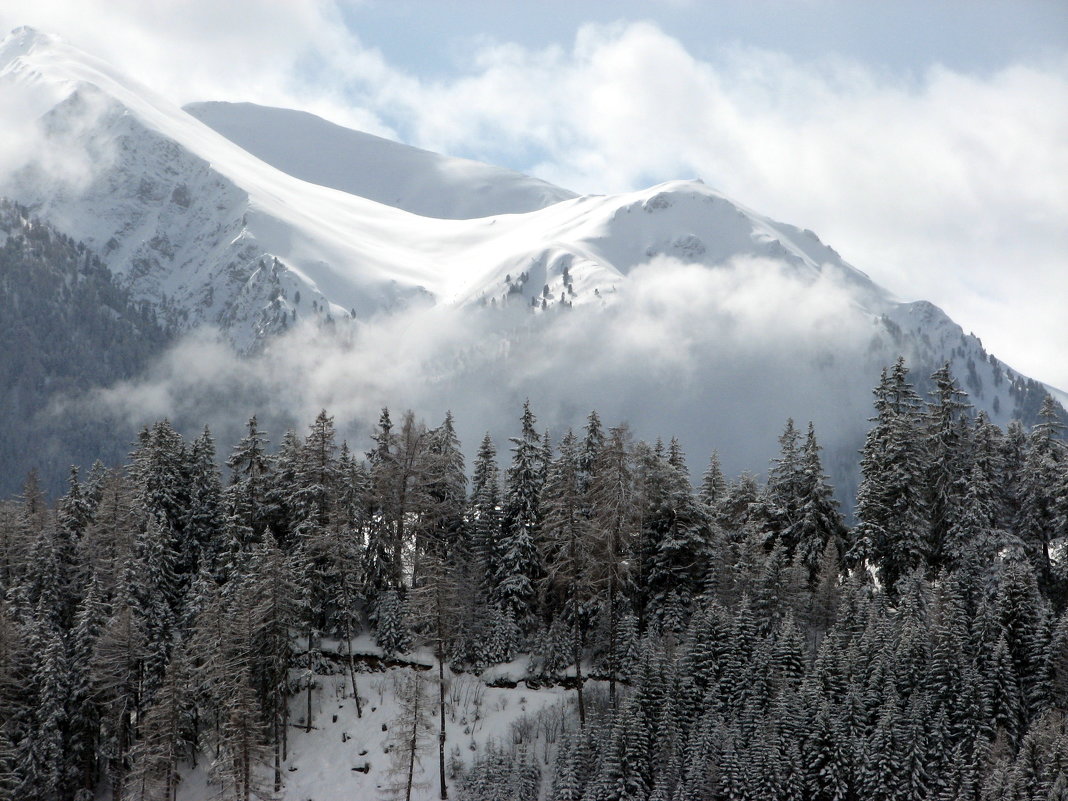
[{"x": 926, "y": 142}]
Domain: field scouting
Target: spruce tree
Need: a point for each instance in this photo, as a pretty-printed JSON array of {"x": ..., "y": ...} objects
[
  {"x": 893, "y": 532},
  {"x": 948, "y": 452},
  {"x": 568, "y": 583},
  {"x": 521, "y": 568},
  {"x": 247, "y": 501}
]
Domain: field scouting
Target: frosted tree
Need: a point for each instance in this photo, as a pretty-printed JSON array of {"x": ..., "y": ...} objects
[
  {"x": 436, "y": 609},
  {"x": 165, "y": 737},
  {"x": 437, "y": 596},
  {"x": 156, "y": 595},
  {"x": 819, "y": 523},
  {"x": 247, "y": 501},
  {"x": 393, "y": 632},
  {"x": 397, "y": 475},
  {"x": 410, "y": 733},
  {"x": 676, "y": 537},
  {"x": 83, "y": 707},
  {"x": 159, "y": 473},
  {"x": 117, "y": 668},
  {"x": 778, "y": 508},
  {"x": 614, "y": 527},
  {"x": 271, "y": 591},
  {"x": 484, "y": 521},
  {"x": 569, "y": 582},
  {"x": 205, "y": 521},
  {"x": 520, "y": 567},
  {"x": 891, "y": 502},
  {"x": 1038, "y": 517},
  {"x": 310, "y": 501},
  {"x": 948, "y": 449},
  {"x": 349, "y": 521},
  {"x": 713, "y": 484}
]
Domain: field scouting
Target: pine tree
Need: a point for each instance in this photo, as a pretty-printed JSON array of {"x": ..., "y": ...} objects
[
  {"x": 819, "y": 523},
  {"x": 392, "y": 633},
  {"x": 778, "y": 508},
  {"x": 409, "y": 734},
  {"x": 893, "y": 530},
  {"x": 247, "y": 500},
  {"x": 398, "y": 464},
  {"x": 568, "y": 583},
  {"x": 117, "y": 667},
  {"x": 271, "y": 592},
  {"x": 948, "y": 448},
  {"x": 1040, "y": 481},
  {"x": 346, "y": 577},
  {"x": 521, "y": 569},
  {"x": 165, "y": 737},
  {"x": 485, "y": 515},
  {"x": 676, "y": 538},
  {"x": 436, "y": 598},
  {"x": 713, "y": 484},
  {"x": 159, "y": 472},
  {"x": 156, "y": 596},
  {"x": 42, "y": 753},
  {"x": 84, "y": 709},
  {"x": 205, "y": 521}
]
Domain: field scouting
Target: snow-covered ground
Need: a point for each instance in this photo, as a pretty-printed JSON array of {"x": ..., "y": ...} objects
[
  {"x": 345, "y": 757},
  {"x": 424, "y": 183}
]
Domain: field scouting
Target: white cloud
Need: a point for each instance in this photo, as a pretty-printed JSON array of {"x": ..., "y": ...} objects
[{"x": 702, "y": 353}]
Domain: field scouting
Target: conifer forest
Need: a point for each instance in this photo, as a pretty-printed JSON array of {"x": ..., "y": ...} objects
[{"x": 738, "y": 640}]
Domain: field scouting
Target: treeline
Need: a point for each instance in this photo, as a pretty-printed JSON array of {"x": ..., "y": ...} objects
[
  {"x": 749, "y": 644},
  {"x": 67, "y": 326}
]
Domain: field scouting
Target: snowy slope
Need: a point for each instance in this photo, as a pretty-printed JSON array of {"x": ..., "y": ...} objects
[
  {"x": 189, "y": 216},
  {"x": 424, "y": 183},
  {"x": 348, "y": 757}
]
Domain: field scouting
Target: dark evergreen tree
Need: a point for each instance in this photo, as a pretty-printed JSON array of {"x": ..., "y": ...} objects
[
  {"x": 893, "y": 529},
  {"x": 247, "y": 498},
  {"x": 948, "y": 450},
  {"x": 520, "y": 569},
  {"x": 205, "y": 522}
]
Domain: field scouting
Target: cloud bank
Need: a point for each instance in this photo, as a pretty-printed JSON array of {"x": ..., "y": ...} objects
[{"x": 718, "y": 356}]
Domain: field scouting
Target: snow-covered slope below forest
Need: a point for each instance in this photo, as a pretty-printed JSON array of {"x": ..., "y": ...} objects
[
  {"x": 343, "y": 756},
  {"x": 424, "y": 183}
]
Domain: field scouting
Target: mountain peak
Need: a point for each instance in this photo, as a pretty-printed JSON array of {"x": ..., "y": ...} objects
[
  {"x": 23, "y": 40},
  {"x": 321, "y": 152}
]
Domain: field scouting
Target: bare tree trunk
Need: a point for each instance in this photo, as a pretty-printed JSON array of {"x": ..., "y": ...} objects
[
  {"x": 246, "y": 764},
  {"x": 277, "y": 752},
  {"x": 352, "y": 671},
  {"x": 311, "y": 673},
  {"x": 413, "y": 744},
  {"x": 441, "y": 708},
  {"x": 577, "y": 642},
  {"x": 612, "y": 640}
]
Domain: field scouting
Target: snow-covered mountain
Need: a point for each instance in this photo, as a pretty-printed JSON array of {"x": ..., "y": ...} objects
[
  {"x": 320, "y": 152},
  {"x": 191, "y": 217},
  {"x": 254, "y": 219}
]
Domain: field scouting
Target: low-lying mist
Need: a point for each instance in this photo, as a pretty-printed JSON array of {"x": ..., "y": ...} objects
[{"x": 719, "y": 357}]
